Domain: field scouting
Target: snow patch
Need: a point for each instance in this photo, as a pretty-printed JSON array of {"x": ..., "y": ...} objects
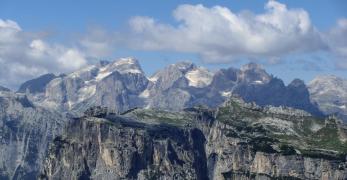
[
  {"x": 153, "y": 78},
  {"x": 258, "y": 82},
  {"x": 199, "y": 77},
  {"x": 81, "y": 71},
  {"x": 102, "y": 74},
  {"x": 225, "y": 93},
  {"x": 145, "y": 94},
  {"x": 125, "y": 61},
  {"x": 86, "y": 92},
  {"x": 133, "y": 71},
  {"x": 127, "y": 65}
]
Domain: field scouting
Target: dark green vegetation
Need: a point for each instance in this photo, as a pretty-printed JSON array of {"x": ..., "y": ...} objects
[
  {"x": 161, "y": 117},
  {"x": 285, "y": 130}
]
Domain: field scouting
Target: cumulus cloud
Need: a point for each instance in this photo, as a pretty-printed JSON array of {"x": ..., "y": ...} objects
[
  {"x": 98, "y": 42},
  {"x": 25, "y": 55},
  {"x": 217, "y": 34},
  {"x": 337, "y": 41}
]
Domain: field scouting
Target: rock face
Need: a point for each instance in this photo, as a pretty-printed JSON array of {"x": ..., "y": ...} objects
[
  {"x": 37, "y": 85},
  {"x": 117, "y": 139},
  {"x": 25, "y": 131},
  {"x": 130, "y": 151},
  {"x": 275, "y": 93},
  {"x": 116, "y": 85},
  {"x": 330, "y": 93},
  {"x": 122, "y": 85},
  {"x": 237, "y": 141}
]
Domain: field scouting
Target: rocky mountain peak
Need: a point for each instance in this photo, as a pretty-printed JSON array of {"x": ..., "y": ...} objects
[
  {"x": 297, "y": 83},
  {"x": 330, "y": 93},
  {"x": 328, "y": 84},
  {"x": 36, "y": 85},
  {"x": 173, "y": 72},
  {"x": 254, "y": 73},
  {"x": 125, "y": 65},
  {"x": 251, "y": 66},
  {"x": 184, "y": 66},
  {"x": 327, "y": 80}
]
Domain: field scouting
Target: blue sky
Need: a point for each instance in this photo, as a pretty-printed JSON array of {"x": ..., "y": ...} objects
[{"x": 67, "y": 22}]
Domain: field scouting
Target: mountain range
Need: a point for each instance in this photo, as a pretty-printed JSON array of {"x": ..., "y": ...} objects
[
  {"x": 122, "y": 85},
  {"x": 111, "y": 121}
]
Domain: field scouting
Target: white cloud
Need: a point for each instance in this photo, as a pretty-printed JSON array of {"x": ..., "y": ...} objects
[
  {"x": 97, "y": 42},
  {"x": 337, "y": 41},
  {"x": 72, "y": 59},
  {"x": 218, "y": 34},
  {"x": 24, "y": 55}
]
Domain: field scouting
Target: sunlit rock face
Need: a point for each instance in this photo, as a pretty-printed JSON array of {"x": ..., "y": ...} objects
[
  {"x": 116, "y": 85},
  {"x": 122, "y": 85},
  {"x": 330, "y": 93}
]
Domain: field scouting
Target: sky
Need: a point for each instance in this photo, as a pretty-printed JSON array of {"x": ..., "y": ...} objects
[{"x": 291, "y": 39}]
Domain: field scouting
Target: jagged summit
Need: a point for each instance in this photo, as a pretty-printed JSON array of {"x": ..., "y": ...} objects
[
  {"x": 126, "y": 65},
  {"x": 37, "y": 85},
  {"x": 122, "y": 84},
  {"x": 184, "y": 66},
  {"x": 297, "y": 83},
  {"x": 254, "y": 73},
  {"x": 330, "y": 93},
  {"x": 195, "y": 75},
  {"x": 251, "y": 66},
  {"x": 179, "y": 68},
  {"x": 159, "y": 140}
]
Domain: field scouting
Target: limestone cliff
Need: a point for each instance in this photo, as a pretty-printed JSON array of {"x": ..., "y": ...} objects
[{"x": 236, "y": 141}]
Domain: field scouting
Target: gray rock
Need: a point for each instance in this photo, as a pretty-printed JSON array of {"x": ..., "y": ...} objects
[
  {"x": 238, "y": 141},
  {"x": 25, "y": 131},
  {"x": 122, "y": 85},
  {"x": 330, "y": 93},
  {"x": 37, "y": 85}
]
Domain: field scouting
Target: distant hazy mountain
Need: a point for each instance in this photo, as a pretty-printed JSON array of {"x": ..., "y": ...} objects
[
  {"x": 4, "y": 89},
  {"x": 330, "y": 93},
  {"x": 122, "y": 84},
  {"x": 37, "y": 85}
]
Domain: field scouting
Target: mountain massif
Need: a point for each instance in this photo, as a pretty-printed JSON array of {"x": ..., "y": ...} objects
[
  {"x": 111, "y": 121},
  {"x": 330, "y": 93},
  {"x": 122, "y": 85}
]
